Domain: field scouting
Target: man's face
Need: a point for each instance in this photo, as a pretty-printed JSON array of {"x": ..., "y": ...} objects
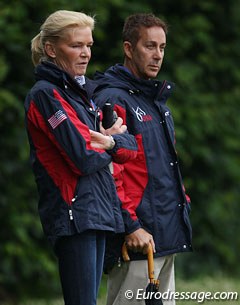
[
  {"x": 145, "y": 59},
  {"x": 73, "y": 52}
]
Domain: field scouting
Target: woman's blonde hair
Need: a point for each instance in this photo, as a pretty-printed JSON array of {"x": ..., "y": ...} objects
[{"x": 54, "y": 27}]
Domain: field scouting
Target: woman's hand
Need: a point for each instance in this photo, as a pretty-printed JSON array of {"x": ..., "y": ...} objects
[
  {"x": 117, "y": 127},
  {"x": 101, "y": 141}
]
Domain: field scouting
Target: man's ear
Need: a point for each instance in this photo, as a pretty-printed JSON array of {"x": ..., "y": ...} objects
[
  {"x": 127, "y": 47},
  {"x": 50, "y": 50}
]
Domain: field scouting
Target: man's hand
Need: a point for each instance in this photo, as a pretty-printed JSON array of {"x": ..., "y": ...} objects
[{"x": 139, "y": 240}]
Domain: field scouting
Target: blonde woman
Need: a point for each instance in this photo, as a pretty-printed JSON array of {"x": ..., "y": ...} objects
[{"x": 78, "y": 202}]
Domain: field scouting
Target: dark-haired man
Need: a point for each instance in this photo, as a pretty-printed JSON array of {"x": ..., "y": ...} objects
[{"x": 155, "y": 207}]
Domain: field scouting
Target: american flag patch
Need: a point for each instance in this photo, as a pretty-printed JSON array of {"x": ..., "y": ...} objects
[{"x": 57, "y": 119}]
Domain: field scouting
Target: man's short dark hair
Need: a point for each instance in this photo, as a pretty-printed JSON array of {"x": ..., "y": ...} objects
[{"x": 135, "y": 22}]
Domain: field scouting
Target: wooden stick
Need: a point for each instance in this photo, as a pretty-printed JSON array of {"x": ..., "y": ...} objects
[
  {"x": 150, "y": 264},
  {"x": 125, "y": 255}
]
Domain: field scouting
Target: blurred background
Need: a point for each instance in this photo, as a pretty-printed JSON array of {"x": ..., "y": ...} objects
[{"x": 202, "y": 59}]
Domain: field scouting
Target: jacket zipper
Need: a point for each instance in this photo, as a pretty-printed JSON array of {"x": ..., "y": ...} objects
[
  {"x": 70, "y": 212},
  {"x": 162, "y": 88}
]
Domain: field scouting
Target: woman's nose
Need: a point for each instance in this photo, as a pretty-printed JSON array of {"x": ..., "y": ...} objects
[{"x": 85, "y": 51}]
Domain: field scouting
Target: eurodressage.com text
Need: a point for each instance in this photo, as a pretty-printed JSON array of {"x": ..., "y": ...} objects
[{"x": 200, "y": 296}]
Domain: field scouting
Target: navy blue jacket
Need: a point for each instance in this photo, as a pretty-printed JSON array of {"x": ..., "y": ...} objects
[
  {"x": 77, "y": 191},
  {"x": 150, "y": 186}
]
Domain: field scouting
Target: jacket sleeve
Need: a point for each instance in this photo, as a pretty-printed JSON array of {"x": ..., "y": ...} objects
[
  {"x": 50, "y": 114},
  {"x": 130, "y": 218},
  {"x": 125, "y": 148}
]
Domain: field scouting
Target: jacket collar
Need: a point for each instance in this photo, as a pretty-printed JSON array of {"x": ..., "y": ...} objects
[
  {"x": 48, "y": 71},
  {"x": 118, "y": 76}
]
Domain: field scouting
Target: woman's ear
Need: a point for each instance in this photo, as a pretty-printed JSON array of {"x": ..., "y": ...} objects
[
  {"x": 127, "y": 47},
  {"x": 50, "y": 50}
]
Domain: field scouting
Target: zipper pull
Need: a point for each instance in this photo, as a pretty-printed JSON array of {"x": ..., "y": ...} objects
[
  {"x": 70, "y": 214},
  {"x": 119, "y": 262},
  {"x": 74, "y": 199},
  {"x": 70, "y": 210}
]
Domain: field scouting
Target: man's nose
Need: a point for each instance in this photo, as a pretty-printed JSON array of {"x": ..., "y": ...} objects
[{"x": 158, "y": 53}]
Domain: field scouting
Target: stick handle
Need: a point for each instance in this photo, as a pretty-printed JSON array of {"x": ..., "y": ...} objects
[
  {"x": 150, "y": 263},
  {"x": 125, "y": 255},
  {"x": 126, "y": 258}
]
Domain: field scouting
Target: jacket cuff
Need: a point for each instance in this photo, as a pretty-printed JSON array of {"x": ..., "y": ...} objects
[
  {"x": 124, "y": 140},
  {"x": 133, "y": 227},
  {"x": 115, "y": 147},
  {"x": 130, "y": 224}
]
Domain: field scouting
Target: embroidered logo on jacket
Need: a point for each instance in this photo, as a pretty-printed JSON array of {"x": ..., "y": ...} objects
[
  {"x": 141, "y": 115},
  {"x": 57, "y": 119}
]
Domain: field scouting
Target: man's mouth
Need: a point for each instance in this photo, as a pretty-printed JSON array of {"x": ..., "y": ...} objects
[{"x": 156, "y": 67}]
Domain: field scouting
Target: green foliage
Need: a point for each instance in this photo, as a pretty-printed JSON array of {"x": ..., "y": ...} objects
[
  {"x": 202, "y": 58},
  {"x": 23, "y": 252},
  {"x": 207, "y": 124}
]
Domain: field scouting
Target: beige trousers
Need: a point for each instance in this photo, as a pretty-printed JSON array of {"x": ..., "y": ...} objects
[{"x": 127, "y": 283}]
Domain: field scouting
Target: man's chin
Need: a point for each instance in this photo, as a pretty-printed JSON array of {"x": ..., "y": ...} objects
[{"x": 152, "y": 74}]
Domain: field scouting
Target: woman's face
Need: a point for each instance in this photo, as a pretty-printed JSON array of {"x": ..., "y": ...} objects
[{"x": 73, "y": 52}]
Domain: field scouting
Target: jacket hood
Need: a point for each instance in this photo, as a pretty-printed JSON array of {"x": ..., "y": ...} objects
[
  {"x": 48, "y": 71},
  {"x": 119, "y": 77}
]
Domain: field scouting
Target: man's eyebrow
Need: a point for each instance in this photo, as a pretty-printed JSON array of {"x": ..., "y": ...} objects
[{"x": 154, "y": 41}]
